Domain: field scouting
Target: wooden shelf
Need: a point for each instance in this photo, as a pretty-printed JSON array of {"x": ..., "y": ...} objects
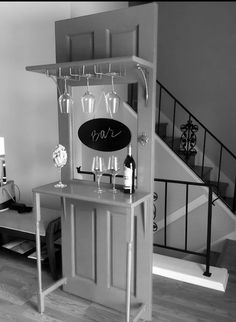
[
  {"x": 127, "y": 62},
  {"x": 86, "y": 191}
]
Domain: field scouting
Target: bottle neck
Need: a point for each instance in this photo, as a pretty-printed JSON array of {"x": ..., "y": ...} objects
[{"x": 129, "y": 150}]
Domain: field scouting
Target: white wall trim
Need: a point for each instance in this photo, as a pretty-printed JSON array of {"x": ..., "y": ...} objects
[{"x": 190, "y": 272}]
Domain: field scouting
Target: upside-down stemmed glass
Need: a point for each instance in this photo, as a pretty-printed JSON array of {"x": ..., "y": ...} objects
[
  {"x": 65, "y": 99},
  {"x": 98, "y": 168},
  {"x": 88, "y": 99},
  {"x": 113, "y": 168},
  {"x": 59, "y": 157},
  {"x": 112, "y": 99}
]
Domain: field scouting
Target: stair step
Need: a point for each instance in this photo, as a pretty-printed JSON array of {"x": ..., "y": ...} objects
[
  {"x": 176, "y": 142},
  {"x": 222, "y": 187},
  {"x": 190, "y": 160},
  {"x": 176, "y": 148},
  {"x": 227, "y": 258},
  {"x": 229, "y": 201},
  {"x": 161, "y": 129},
  {"x": 206, "y": 171}
]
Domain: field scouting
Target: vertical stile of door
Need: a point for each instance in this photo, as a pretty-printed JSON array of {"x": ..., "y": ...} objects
[{"x": 65, "y": 135}]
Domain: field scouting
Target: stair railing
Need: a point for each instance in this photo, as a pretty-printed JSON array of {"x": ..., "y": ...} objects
[
  {"x": 186, "y": 249},
  {"x": 223, "y": 150}
]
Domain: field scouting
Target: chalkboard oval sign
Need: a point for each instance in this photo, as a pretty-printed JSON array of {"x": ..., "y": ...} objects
[{"x": 104, "y": 134}]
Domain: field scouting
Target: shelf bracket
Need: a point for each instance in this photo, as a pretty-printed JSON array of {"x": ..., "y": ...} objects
[
  {"x": 145, "y": 82},
  {"x": 54, "y": 80}
]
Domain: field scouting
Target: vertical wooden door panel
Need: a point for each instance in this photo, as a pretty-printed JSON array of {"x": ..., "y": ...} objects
[
  {"x": 118, "y": 248},
  {"x": 85, "y": 242},
  {"x": 81, "y": 46}
]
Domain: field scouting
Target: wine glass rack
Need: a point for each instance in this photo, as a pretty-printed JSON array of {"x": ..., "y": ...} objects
[{"x": 125, "y": 69}]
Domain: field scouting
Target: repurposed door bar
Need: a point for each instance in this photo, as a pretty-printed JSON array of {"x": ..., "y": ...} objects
[
  {"x": 107, "y": 239},
  {"x": 83, "y": 207}
]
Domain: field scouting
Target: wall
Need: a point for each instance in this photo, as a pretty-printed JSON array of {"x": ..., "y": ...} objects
[
  {"x": 82, "y": 8},
  {"x": 28, "y": 111},
  {"x": 196, "y": 61}
]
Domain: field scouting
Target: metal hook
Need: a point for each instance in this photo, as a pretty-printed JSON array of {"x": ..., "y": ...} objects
[
  {"x": 74, "y": 75},
  {"x": 96, "y": 72},
  {"x": 59, "y": 72}
]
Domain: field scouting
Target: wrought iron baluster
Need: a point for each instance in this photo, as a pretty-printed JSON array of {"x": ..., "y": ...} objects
[
  {"x": 186, "y": 217},
  {"x": 188, "y": 138},
  {"x": 173, "y": 127},
  {"x": 155, "y": 197},
  {"x": 234, "y": 198},
  {"x": 218, "y": 180},
  {"x": 209, "y": 221},
  {"x": 203, "y": 153},
  {"x": 165, "y": 213},
  {"x": 159, "y": 111}
]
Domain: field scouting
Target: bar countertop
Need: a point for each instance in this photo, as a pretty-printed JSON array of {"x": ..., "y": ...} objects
[{"x": 86, "y": 191}]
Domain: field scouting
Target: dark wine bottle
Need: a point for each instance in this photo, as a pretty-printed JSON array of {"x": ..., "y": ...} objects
[{"x": 129, "y": 173}]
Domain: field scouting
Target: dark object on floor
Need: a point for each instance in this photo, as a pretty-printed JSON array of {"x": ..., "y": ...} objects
[
  {"x": 13, "y": 224},
  {"x": 20, "y": 207}
]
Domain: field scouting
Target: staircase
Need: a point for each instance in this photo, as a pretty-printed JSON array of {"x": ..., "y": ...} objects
[
  {"x": 203, "y": 172},
  {"x": 172, "y": 121}
]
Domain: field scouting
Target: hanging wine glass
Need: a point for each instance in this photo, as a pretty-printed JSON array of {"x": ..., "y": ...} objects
[
  {"x": 65, "y": 99},
  {"x": 112, "y": 99},
  {"x": 113, "y": 168},
  {"x": 59, "y": 157},
  {"x": 88, "y": 99},
  {"x": 98, "y": 168}
]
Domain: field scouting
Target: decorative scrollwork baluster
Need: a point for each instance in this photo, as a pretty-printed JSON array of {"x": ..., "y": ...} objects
[
  {"x": 188, "y": 138},
  {"x": 155, "y": 197}
]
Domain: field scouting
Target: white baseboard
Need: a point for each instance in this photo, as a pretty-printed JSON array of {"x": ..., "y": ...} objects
[{"x": 190, "y": 272}]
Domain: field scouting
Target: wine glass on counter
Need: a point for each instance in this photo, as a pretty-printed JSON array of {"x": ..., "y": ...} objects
[
  {"x": 59, "y": 157},
  {"x": 113, "y": 168},
  {"x": 98, "y": 168},
  {"x": 65, "y": 99}
]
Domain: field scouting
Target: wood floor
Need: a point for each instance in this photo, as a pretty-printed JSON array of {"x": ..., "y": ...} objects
[{"x": 172, "y": 301}]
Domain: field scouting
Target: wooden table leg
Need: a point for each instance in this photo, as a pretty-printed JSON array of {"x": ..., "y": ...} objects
[
  {"x": 38, "y": 254},
  {"x": 129, "y": 262}
]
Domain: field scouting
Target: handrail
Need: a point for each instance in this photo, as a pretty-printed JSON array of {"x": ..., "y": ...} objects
[
  {"x": 200, "y": 123},
  {"x": 184, "y": 182},
  {"x": 185, "y": 249}
]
